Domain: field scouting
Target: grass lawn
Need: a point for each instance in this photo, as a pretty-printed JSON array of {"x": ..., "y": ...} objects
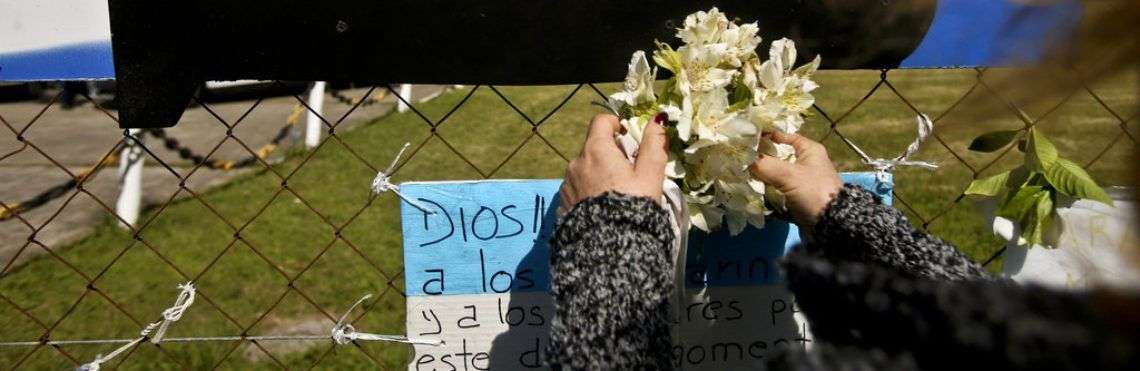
[{"x": 280, "y": 233}]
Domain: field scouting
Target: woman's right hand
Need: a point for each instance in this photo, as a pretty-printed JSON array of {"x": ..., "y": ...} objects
[
  {"x": 808, "y": 185},
  {"x": 602, "y": 166}
]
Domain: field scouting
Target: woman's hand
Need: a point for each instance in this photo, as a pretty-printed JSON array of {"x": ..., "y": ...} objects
[
  {"x": 602, "y": 166},
  {"x": 808, "y": 185}
]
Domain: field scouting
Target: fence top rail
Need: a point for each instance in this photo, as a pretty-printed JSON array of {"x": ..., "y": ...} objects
[{"x": 163, "y": 51}]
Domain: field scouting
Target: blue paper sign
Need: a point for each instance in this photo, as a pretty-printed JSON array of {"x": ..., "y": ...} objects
[
  {"x": 493, "y": 237},
  {"x": 483, "y": 237},
  {"x": 477, "y": 278}
]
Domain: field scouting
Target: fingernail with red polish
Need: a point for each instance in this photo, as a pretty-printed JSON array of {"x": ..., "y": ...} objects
[{"x": 660, "y": 118}]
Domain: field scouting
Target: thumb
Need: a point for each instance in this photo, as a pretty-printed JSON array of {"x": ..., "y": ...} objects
[
  {"x": 807, "y": 151},
  {"x": 795, "y": 140},
  {"x": 651, "y": 154},
  {"x": 772, "y": 171}
]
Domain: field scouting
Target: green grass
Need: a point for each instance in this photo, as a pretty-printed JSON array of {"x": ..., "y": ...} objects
[{"x": 279, "y": 226}]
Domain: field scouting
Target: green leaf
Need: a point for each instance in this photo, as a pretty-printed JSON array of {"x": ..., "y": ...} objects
[
  {"x": 667, "y": 58},
  {"x": 669, "y": 94},
  {"x": 676, "y": 145},
  {"x": 1017, "y": 177},
  {"x": 1041, "y": 152},
  {"x": 1069, "y": 178},
  {"x": 741, "y": 96},
  {"x": 1037, "y": 179},
  {"x": 990, "y": 186},
  {"x": 806, "y": 70},
  {"x": 738, "y": 106},
  {"x": 1038, "y": 220},
  {"x": 992, "y": 141},
  {"x": 1020, "y": 203}
]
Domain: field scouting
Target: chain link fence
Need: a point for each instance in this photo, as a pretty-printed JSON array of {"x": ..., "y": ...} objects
[{"x": 285, "y": 246}]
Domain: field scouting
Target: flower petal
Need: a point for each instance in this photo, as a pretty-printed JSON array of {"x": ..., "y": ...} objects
[{"x": 784, "y": 51}]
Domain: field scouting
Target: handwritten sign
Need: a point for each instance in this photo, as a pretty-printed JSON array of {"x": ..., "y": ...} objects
[{"x": 478, "y": 276}]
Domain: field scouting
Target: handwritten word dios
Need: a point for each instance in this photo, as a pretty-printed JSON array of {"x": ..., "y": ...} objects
[{"x": 483, "y": 222}]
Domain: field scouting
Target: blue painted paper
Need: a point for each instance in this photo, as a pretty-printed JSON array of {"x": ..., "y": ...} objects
[
  {"x": 484, "y": 237},
  {"x": 81, "y": 61},
  {"x": 492, "y": 237},
  {"x": 751, "y": 258}
]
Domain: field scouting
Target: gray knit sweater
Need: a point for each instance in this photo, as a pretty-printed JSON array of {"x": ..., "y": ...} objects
[{"x": 879, "y": 295}]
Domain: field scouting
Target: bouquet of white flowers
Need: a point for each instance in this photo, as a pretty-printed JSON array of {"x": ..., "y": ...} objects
[{"x": 721, "y": 97}]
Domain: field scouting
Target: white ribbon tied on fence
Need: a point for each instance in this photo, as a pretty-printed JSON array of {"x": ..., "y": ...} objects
[
  {"x": 383, "y": 183},
  {"x": 170, "y": 315},
  {"x": 884, "y": 166},
  {"x": 174, "y": 313},
  {"x": 343, "y": 333}
]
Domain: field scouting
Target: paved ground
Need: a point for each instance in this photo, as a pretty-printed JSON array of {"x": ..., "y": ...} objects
[{"x": 79, "y": 137}]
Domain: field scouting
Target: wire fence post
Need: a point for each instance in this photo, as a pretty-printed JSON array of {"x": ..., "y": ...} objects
[
  {"x": 130, "y": 178},
  {"x": 313, "y": 122},
  {"x": 406, "y": 93}
]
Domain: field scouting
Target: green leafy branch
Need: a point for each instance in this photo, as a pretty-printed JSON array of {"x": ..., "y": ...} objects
[{"x": 1028, "y": 194}]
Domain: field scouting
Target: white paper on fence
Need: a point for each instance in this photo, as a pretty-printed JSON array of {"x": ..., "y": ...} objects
[{"x": 1094, "y": 245}]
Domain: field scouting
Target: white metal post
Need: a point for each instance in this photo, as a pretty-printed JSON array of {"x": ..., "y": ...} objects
[
  {"x": 313, "y": 123},
  {"x": 406, "y": 93},
  {"x": 130, "y": 176}
]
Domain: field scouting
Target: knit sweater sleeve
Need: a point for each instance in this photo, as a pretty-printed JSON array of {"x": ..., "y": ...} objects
[
  {"x": 611, "y": 280},
  {"x": 857, "y": 227},
  {"x": 955, "y": 325},
  {"x": 869, "y": 281}
]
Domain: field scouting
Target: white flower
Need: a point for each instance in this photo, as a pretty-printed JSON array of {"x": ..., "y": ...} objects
[
  {"x": 713, "y": 124},
  {"x": 717, "y": 161},
  {"x": 741, "y": 42},
  {"x": 675, "y": 167},
  {"x": 703, "y": 27},
  {"x": 682, "y": 116},
  {"x": 789, "y": 122},
  {"x": 705, "y": 216},
  {"x": 783, "y": 52},
  {"x": 635, "y": 127},
  {"x": 742, "y": 203},
  {"x": 784, "y": 152},
  {"x": 805, "y": 71},
  {"x": 750, "y": 70},
  {"x": 638, "y": 82},
  {"x": 782, "y": 95},
  {"x": 700, "y": 72},
  {"x": 716, "y": 120}
]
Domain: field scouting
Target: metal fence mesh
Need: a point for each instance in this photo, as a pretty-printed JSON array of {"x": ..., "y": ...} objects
[{"x": 276, "y": 250}]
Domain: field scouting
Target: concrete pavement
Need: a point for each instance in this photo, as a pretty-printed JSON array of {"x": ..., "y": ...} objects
[{"x": 77, "y": 138}]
